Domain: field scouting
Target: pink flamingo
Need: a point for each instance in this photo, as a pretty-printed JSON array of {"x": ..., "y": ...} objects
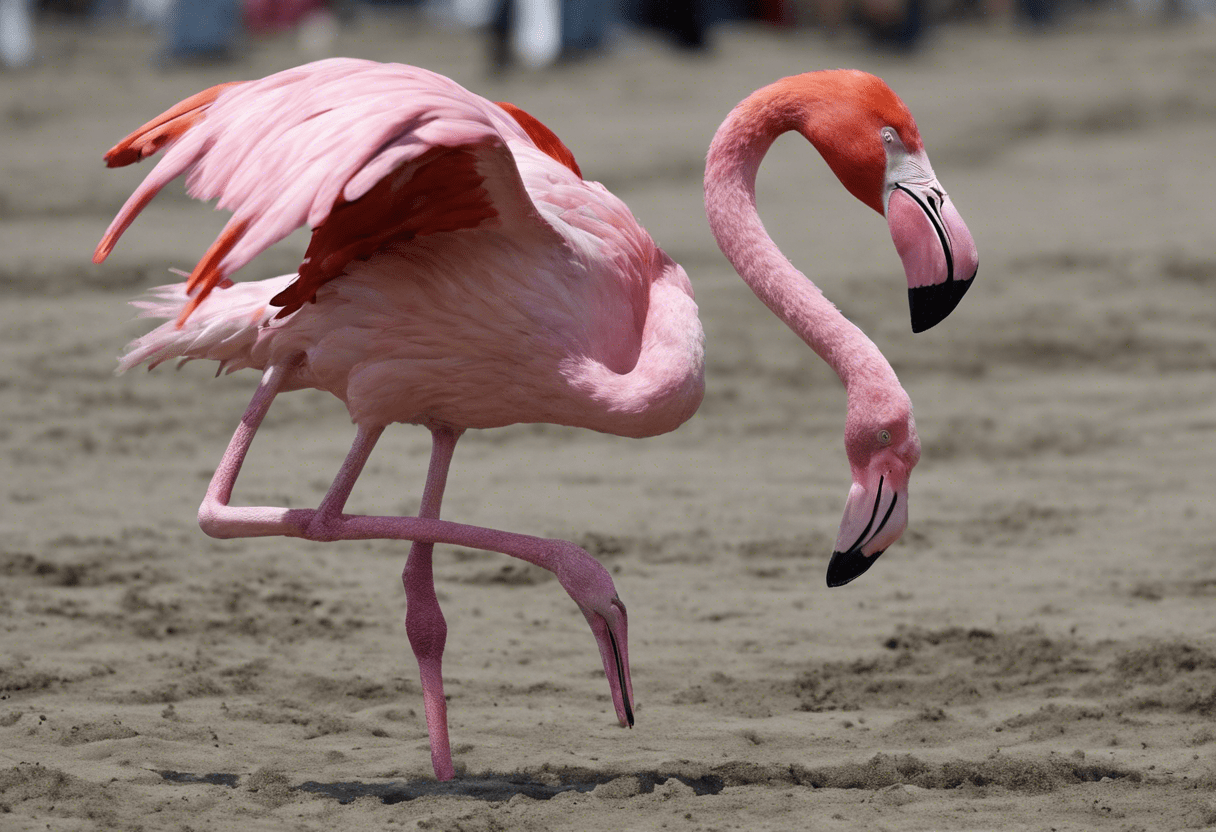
[
  {"x": 461, "y": 274},
  {"x": 869, "y": 140}
]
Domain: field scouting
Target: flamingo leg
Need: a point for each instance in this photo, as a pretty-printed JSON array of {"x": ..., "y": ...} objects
[
  {"x": 211, "y": 514},
  {"x": 424, "y": 622},
  {"x": 581, "y": 575},
  {"x": 326, "y": 522}
]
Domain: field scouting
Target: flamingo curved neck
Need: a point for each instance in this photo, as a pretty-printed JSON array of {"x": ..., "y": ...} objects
[
  {"x": 730, "y": 200},
  {"x": 665, "y": 386}
]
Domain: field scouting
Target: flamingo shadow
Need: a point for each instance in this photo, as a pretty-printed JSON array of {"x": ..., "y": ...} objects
[{"x": 489, "y": 787}]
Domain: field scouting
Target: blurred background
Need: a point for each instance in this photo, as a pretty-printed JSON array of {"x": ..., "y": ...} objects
[
  {"x": 1051, "y": 598},
  {"x": 539, "y": 33}
]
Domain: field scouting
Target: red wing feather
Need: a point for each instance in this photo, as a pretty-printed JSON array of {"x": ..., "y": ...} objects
[
  {"x": 440, "y": 191},
  {"x": 542, "y": 136},
  {"x": 163, "y": 129},
  {"x": 147, "y": 140},
  {"x": 367, "y": 154},
  {"x": 207, "y": 275}
]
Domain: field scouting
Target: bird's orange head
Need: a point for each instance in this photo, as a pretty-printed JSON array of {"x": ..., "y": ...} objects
[
  {"x": 846, "y": 112},
  {"x": 868, "y": 137}
]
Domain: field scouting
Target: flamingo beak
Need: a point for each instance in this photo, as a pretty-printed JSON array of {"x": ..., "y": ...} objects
[
  {"x": 937, "y": 250},
  {"x": 611, "y": 630},
  {"x": 874, "y": 518}
]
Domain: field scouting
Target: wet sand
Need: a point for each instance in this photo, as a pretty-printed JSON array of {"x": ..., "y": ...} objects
[{"x": 1036, "y": 653}]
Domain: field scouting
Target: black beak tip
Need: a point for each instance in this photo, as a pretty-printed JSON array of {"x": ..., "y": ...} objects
[
  {"x": 846, "y": 566},
  {"x": 930, "y": 305}
]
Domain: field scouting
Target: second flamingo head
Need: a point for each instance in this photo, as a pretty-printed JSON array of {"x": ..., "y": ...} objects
[
  {"x": 883, "y": 448},
  {"x": 869, "y": 139}
]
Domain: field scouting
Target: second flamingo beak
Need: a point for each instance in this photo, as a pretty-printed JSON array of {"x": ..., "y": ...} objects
[
  {"x": 937, "y": 250},
  {"x": 874, "y": 518}
]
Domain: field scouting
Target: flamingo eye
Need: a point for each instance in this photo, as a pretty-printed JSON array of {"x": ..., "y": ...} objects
[
  {"x": 888, "y": 135},
  {"x": 884, "y": 437}
]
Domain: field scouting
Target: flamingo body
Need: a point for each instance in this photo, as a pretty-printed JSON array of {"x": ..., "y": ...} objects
[
  {"x": 483, "y": 281},
  {"x": 461, "y": 274}
]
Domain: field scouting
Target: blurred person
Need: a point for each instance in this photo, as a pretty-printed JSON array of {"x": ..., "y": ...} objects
[
  {"x": 201, "y": 30},
  {"x": 584, "y": 26},
  {"x": 525, "y": 31},
  {"x": 889, "y": 24},
  {"x": 684, "y": 21},
  {"x": 540, "y": 33},
  {"x": 16, "y": 33},
  {"x": 314, "y": 22},
  {"x": 893, "y": 24},
  {"x": 1039, "y": 13},
  {"x": 270, "y": 16},
  {"x": 543, "y": 32}
]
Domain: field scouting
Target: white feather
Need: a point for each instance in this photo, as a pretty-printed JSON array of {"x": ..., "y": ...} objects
[{"x": 223, "y": 328}]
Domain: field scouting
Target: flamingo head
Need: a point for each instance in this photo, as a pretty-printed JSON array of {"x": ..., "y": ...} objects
[
  {"x": 883, "y": 448},
  {"x": 867, "y": 136}
]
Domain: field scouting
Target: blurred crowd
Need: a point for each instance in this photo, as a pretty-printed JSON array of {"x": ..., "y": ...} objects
[{"x": 538, "y": 33}]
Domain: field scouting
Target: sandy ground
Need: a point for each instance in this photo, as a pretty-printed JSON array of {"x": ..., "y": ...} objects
[{"x": 1037, "y": 653}]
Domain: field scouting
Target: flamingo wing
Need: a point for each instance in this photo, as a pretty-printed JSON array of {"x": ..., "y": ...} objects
[{"x": 365, "y": 154}]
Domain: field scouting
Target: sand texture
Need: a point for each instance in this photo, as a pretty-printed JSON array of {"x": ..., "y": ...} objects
[{"x": 1037, "y": 653}]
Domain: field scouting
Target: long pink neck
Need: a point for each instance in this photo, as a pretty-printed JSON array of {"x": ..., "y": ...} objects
[{"x": 730, "y": 200}]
